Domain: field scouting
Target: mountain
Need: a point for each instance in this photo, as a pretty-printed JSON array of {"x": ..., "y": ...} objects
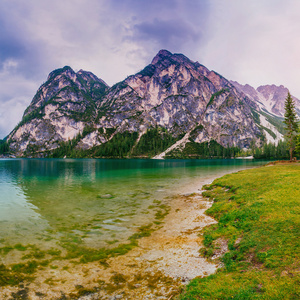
[
  {"x": 269, "y": 98},
  {"x": 61, "y": 108},
  {"x": 171, "y": 105}
]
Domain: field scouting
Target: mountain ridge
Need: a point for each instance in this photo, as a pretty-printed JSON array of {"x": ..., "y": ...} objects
[
  {"x": 269, "y": 97},
  {"x": 182, "y": 99}
]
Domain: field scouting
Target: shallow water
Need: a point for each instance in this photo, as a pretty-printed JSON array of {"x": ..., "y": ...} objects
[{"x": 101, "y": 202}]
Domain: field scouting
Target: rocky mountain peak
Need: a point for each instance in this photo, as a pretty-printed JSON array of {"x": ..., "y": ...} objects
[
  {"x": 267, "y": 90},
  {"x": 161, "y": 55},
  {"x": 66, "y": 70},
  {"x": 88, "y": 76},
  {"x": 165, "y": 58},
  {"x": 269, "y": 97}
]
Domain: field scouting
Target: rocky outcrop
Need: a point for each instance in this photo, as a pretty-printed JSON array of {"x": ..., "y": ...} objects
[{"x": 180, "y": 96}]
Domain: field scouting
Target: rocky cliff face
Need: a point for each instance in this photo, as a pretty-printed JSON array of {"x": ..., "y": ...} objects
[
  {"x": 268, "y": 97},
  {"x": 180, "y": 95},
  {"x": 184, "y": 98}
]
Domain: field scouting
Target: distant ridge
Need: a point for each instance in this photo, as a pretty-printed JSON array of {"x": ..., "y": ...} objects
[{"x": 268, "y": 97}]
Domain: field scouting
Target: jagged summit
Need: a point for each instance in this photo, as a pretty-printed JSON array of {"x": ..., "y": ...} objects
[
  {"x": 166, "y": 58},
  {"x": 69, "y": 73},
  {"x": 66, "y": 70},
  {"x": 89, "y": 76},
  {"x": 161, "y": 55}
]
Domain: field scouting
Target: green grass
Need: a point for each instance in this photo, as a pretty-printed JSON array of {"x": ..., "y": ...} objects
[{"x": 258, "y": 214}]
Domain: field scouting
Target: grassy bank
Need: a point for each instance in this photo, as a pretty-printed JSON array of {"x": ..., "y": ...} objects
[{"x": 258, "y": 214}]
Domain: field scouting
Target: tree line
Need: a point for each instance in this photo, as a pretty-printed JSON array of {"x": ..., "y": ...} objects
[
  {"x": 271, "y": 151},
  {"x": 4, "y": 147},
  {"x": 206, "y": 150}
]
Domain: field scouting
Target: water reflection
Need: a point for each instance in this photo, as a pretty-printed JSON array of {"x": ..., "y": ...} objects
[{"x": 98, "y": 200}]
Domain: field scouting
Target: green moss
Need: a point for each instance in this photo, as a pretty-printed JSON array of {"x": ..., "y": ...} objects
[
  {"x": 71, "y": 249},
  {"x": 53, "y": 267},
  {"x": 35, "y": 253},
  {"x": 26, "y": 268},
  {"x": 143, "y": 231},
  {"x": 162, "y": 212},
  {"x": 5, "y": 250},
  {"x": 10, "y": 277},
  {"x": 112, "y": 242},
  {"x": 82, "y": 291},
  {"x": 119, "y": 278},
  {"x": 54, "y": 252}
]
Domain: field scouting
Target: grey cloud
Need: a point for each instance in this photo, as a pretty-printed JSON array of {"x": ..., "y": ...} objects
[
  {"x": 166, "y": 9},
  {"x": 12, "y": 45},
  {"x": 10, "y": 114},
  {"x": 166, "y": 33},
  {"x": 117, "y": 38},
  {"x": 18, "y": 45}
]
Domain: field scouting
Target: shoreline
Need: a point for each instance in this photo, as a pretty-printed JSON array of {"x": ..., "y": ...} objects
[{"x": 155, "y": 269}]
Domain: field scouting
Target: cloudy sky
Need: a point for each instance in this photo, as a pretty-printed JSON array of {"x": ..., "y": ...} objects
[{"x": 255, "y": 42}]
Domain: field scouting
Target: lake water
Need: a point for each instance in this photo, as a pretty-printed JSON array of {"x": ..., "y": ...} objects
[{"x": 101, "y": 202}]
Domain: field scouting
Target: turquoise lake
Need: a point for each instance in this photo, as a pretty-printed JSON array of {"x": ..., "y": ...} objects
[{"x": 100, "y": 202}]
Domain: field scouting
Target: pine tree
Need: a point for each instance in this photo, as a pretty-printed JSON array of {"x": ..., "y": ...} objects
[{"x": 290, "y": 120}]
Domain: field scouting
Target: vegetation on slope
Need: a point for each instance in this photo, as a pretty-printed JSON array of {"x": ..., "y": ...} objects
[
  {"x": 275, "y": 121},
  {"x": 122, "y": 145},
  {"x": 119, "y": 146},
  {"x": 210, "y": 149},
  {"x": 215, "y": 95},
  {"x": 4, "y": 147},
  {"x": 153, "y": 142},
  {"x": 258, "y": 216}
]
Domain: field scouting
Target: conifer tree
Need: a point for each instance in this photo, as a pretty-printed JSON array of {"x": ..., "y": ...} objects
[
  {"x": 297, "y": 149},
  {"x": 290, "y": 120}
]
